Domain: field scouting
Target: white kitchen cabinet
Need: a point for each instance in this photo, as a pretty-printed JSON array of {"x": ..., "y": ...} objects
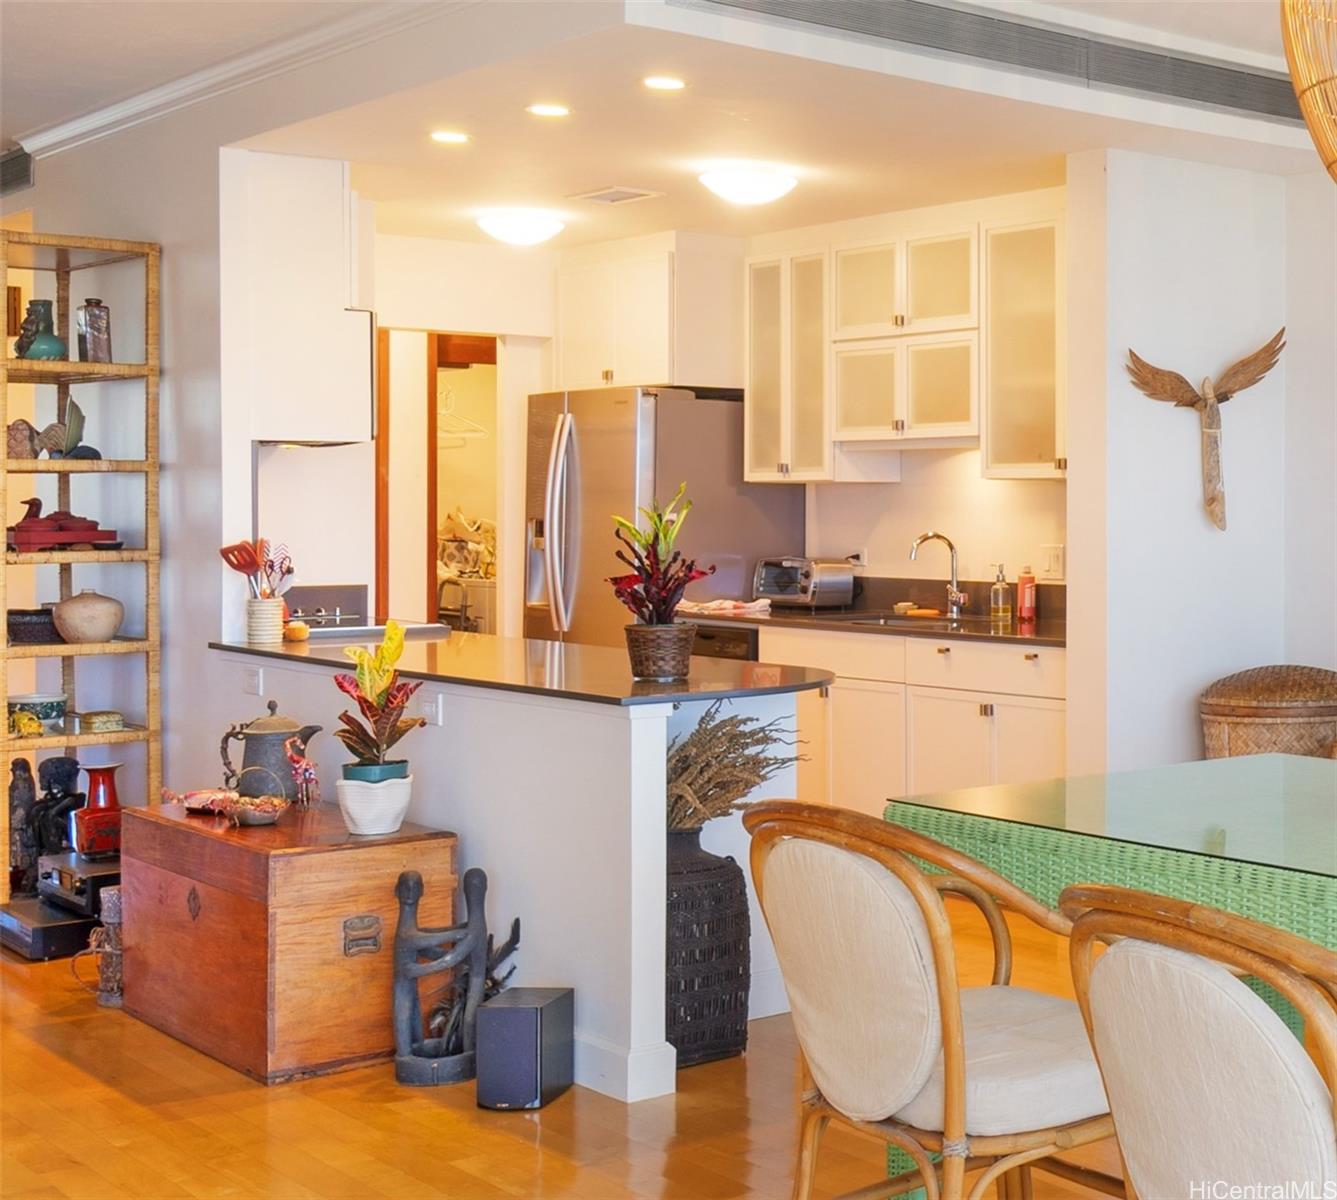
[
  {"x": 866, "y": 744},
  {"x": 615, "y": 321},
  {"x": 949, "y": 740},
  {"x": 1030, "y": 739},
  {"x": 813, "y": 731},
  {"x": 907, "y": 285},
  {"x": 1023, "y": 351},
  {"x": 291, "y": 268},
  {"x": 903, "y": 389},
  {"x": 786, "y": 424}
]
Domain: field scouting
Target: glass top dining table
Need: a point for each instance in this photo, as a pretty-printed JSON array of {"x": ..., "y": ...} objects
[{"x": 1268, "y": 810}]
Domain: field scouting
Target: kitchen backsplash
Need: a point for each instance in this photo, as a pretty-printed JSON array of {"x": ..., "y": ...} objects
[{"x": 881, "y": 593}]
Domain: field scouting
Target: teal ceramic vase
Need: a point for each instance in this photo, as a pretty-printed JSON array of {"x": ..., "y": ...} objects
[{"x": 45, "y": 344}]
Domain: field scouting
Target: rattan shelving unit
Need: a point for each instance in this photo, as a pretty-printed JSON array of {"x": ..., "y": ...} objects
[{"x": 65, "y": 257}]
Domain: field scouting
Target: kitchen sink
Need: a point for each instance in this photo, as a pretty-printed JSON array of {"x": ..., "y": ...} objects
[{"x": 934, "y": 624}]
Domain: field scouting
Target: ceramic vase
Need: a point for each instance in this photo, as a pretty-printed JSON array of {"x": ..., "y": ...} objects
[
  {"x": 264, "y": 621},
  {"x": 44, "y": 344},
  {"x": 88, "y": 617},
  {"x": 372, "y": 808}
]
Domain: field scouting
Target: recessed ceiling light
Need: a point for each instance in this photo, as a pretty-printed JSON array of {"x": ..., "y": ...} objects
[
  {"x": 521, "y": 226},
  {"x": 549, "y": 110},
  {"x": 748, "y": 182},
  {"x": 449, "y": 137},
  {"x": 663, "y": 83}
]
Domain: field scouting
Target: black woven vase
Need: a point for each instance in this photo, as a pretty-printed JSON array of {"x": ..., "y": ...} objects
[{"x": 709, "y": 968}]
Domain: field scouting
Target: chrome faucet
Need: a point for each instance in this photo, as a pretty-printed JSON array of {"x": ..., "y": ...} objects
[{"x": 956, "y": 598}]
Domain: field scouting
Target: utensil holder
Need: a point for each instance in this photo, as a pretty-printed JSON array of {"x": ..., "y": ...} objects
[{"x": 264, "y": 621}]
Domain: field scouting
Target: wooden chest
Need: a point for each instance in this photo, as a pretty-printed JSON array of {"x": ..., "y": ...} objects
[{"x": 270, "y": 947}]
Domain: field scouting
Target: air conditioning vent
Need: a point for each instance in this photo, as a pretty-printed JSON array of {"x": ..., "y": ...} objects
[
  {"x": 616, "y": 194},
  {"x": 15, "y": 171},
  {"x": 1035, "y": 48}
]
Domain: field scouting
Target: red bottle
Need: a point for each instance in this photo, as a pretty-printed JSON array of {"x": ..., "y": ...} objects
[
  {"x": 97, "y": 826},
  {"x": 1026, "y": 596}
]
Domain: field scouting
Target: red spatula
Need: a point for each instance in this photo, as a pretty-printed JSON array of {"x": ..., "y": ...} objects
[{"x": 242, "y": 557}]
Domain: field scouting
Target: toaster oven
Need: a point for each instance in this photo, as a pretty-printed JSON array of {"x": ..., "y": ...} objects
[{"x": 804, "y": 582}]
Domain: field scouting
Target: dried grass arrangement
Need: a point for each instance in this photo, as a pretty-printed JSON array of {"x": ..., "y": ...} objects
[{"x": 713, "y": 769}]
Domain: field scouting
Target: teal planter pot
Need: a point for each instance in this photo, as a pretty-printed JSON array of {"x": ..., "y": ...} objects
[{"x": 377, "y": 772}]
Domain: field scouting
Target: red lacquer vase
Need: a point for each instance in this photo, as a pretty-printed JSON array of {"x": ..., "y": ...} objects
[{"x": 97, "y": 826}]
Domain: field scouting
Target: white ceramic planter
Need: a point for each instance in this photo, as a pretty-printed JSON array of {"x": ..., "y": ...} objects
[{"x": 374, "y": 807}]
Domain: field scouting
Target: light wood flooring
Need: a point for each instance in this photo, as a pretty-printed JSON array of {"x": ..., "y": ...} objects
[{"x": 95, "y": 1105}]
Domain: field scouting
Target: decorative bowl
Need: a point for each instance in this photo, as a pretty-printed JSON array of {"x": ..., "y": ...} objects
[
  {"x": 32, "y": 627},
  {"x": 47, "y": 707}
]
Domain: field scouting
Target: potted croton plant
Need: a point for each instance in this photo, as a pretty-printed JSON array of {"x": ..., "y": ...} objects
[
  {"x": 659, "y": 648},
  {"x": 375, "y": 789}
]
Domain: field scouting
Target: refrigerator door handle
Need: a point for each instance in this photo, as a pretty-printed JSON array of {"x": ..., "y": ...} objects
[
  {"x": 551, "y": 534},
  {"x": 567, "y": 497}
]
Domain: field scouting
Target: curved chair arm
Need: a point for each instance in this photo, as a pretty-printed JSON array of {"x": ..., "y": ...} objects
[{"x": 993, "y": 915}]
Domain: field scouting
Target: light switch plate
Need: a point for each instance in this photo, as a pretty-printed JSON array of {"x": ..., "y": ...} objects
[
  {"x": 1053, "y": 562},
  {"x": 253, "y": 681}
]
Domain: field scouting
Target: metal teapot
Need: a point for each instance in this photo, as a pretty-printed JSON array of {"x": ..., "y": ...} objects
[{"x": 265, "y": 770}]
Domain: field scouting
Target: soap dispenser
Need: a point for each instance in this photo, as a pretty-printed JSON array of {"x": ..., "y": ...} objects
[{"x": 1000, "y": 600}]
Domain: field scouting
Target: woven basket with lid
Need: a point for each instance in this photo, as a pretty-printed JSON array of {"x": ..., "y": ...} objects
[{"x": 1271, "y": 710}]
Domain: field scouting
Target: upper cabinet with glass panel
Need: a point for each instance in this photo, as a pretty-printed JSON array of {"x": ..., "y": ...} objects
[{"x": 906, "y": 285}]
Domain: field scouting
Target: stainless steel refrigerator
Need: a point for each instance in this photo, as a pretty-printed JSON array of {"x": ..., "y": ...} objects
[{"x": 594, "y": 453}]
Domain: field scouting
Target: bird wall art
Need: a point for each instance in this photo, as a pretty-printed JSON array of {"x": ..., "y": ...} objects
[{"x": 1161, "y": 384}]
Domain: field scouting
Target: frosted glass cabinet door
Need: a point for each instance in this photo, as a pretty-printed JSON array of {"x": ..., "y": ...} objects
[
  {"x": 866, "y": 290},
  {"x": 941, "y": 385},
  {"x": 1023, "y": 395},
  {"x": 808, "y": 442},
  {"x": 867, "y": 384},
  {"x": 940, "y": 283},
  {"x": 764, "y": 411}
]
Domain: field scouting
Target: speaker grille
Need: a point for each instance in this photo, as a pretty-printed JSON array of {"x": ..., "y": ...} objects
[{"x": 1038, "y": 49}]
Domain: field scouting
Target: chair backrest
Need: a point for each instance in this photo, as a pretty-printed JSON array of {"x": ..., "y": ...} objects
[
  {"x": 865, "y": 950},
  {"x": 1205, "y": 1080}
]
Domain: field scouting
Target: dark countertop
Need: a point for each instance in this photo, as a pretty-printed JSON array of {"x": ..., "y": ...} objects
[
  {"x": 1039, "y": 633},
  {"x": 600, "y": 674}
]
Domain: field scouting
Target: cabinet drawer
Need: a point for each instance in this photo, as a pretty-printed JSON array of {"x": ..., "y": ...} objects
[
  {"x": 1009, "y": 667},
  {"x": 849, "y": 655}
]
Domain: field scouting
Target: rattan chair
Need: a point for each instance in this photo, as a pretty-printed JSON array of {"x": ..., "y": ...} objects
[
  {"x": 1205, "y": 1081},
  {"x": 991, "y": 1078}
]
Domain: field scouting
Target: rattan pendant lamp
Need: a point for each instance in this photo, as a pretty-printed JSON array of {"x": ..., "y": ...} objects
[{"x": 1309, "y": 30}]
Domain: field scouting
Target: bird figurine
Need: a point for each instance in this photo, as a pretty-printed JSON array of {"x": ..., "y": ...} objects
[{"x": 1170, "y": 386}]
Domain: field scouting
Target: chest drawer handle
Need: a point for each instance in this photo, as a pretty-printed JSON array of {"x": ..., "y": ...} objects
[
  {"x": 362, "y": 935},
  {"x": 193, "y": 905},
  {"x": 944, "y": 649},
  {"x": 1032, "y": 657}
]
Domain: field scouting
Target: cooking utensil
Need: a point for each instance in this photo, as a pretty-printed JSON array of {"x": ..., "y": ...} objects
[{"x": 241, "y": 557}]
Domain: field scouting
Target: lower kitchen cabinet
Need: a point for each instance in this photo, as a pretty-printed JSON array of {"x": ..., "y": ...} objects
[
  {"x": 1030, "y": 739},
  {"x": 866, "y": 744},
  {"x": 814, "y": 748}
]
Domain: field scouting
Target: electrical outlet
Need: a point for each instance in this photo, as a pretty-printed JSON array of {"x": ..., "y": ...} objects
[
  {"x": 1053, "y": 562},
  {"x": 859, "y": 558},
  {"x": 252, "y": 681},
  {"x": 430, "y": 707}
]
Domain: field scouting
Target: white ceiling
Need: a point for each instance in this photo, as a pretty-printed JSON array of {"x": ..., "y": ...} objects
[
  {"x": 862, "y": 142},
  {"x": 60, "y": 59}
]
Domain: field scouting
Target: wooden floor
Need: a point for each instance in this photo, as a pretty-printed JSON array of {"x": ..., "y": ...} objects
[{"x": 94, "y": 1104}]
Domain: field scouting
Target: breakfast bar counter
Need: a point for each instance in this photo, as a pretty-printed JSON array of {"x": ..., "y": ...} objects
[{"x": 549, "y": 761}]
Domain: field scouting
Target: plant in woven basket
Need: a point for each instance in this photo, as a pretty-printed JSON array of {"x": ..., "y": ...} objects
[
  {"x": 713, "y": 769},
  {"x": 659, "y": 573},
  {"x": 381, "y": 699}
]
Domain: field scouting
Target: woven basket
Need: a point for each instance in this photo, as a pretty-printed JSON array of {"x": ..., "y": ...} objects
[
  {"x": 1271, "y": 710},
  {"x": 709, "y": 967},
  {"x": 660, "y": 652}
]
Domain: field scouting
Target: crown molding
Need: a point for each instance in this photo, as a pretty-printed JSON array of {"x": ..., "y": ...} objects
[{"x": 357, "y": 29}]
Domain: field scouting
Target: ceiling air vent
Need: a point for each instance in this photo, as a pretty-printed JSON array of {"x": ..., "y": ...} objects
[
  {"x": 15, "y": 171},
  {"x": 616, "y": 195}
]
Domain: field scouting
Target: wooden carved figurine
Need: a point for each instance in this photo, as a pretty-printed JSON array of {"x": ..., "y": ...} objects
[
  {"x": 51, "y": 814},
  {"x": 22, "y": 834},
  {"x": 1161, "y": 384},
  {"x": 303, "y": 774}
]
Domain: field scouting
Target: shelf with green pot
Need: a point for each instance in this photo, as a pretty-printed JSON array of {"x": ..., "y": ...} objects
[{"x": 375, "y": 790}]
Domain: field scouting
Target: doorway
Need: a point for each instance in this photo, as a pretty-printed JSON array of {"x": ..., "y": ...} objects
[{"x": 437, "y": 478}]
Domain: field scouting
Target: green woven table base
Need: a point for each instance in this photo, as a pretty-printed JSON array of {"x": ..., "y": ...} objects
[{"x": 1045, "y": 861}]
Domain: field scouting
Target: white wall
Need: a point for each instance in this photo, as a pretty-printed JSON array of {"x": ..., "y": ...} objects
[
  {"x": 1194, "y": 274},
  {"x": 408, "y": 476},
  {"x": 989, "y": 520},
  {"x": 1311, "y": 420}
]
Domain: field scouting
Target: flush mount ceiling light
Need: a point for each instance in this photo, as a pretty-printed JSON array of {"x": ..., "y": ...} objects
[
  {"x": 548, "y": 110},
  {"x": 449, "y": 137},
  {"x": 748, "y": 182},
  {"x": 663, "y": 83},
  {"x": 521, "y": 226}
]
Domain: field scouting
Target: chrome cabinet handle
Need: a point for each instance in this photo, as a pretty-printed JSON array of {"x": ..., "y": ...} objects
[{"x": 986, "y": 710}]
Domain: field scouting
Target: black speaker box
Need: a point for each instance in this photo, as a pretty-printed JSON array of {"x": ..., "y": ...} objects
[{"x": 525, "y": 1047}]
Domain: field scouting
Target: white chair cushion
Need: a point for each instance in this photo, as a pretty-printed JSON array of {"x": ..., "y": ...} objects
[
  {"x": 858, "y": 966},
  {"x": 1205, "y": 1080},
  {"x": 1028, "y": 1066}
]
